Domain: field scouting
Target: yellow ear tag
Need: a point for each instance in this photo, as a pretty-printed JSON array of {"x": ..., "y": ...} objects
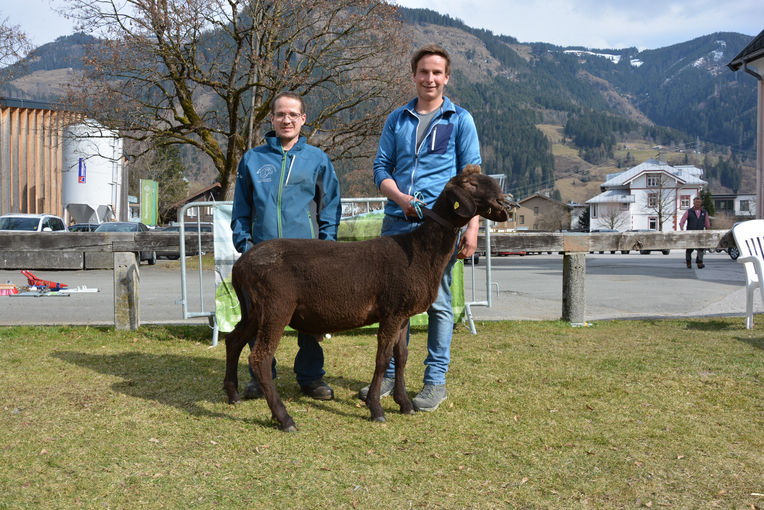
[{"x": 456, "y": 205}]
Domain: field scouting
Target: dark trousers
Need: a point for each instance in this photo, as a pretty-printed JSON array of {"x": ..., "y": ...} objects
[
  {"x": 698, "y": 257},
  {"x": 308, "y": 363}
]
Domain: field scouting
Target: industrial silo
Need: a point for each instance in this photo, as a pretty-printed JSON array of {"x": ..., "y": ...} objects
[{"x": 92, "y": 173}]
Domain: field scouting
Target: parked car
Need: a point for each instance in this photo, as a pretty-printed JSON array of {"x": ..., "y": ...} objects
[
  {"x": 174, "y": 253},
  {"x": 732, "y": 251},
  {"x": 83, "y": 227},
  {"x": 32, "y": 223},
  {"x": 130, "y": 226}
]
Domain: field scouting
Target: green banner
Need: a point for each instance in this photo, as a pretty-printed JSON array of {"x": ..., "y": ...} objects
[{"x": 149, "y": 201}]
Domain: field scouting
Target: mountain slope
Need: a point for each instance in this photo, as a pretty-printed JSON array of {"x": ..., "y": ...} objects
[{"x": 512, "y": 87}]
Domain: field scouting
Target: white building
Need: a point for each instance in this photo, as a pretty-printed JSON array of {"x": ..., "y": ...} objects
[
  {"x": 741, "y": 206},
  {"x": 649, "y": 196}
]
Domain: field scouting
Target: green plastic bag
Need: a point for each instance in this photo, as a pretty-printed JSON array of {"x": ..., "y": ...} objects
[{"x": 227, "y": 311}]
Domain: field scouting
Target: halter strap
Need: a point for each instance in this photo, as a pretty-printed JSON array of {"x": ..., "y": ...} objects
[{"x": 429, "y": 213}]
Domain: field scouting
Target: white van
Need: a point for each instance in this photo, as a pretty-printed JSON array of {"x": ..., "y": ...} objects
[{"x": 32, "y": 223}]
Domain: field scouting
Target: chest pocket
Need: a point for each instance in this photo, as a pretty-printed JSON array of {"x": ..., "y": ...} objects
[{"x": 439, "y": 138}]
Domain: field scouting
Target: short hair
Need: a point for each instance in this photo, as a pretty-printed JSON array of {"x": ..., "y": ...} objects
[
  {"x": 290, "y": 95},
  {"x": 430, "y": 49}
]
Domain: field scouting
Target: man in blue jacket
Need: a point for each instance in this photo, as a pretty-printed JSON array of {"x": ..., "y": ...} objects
[
  {"x": 287, "y": 188},
  {"x": 423, "y": 145}
]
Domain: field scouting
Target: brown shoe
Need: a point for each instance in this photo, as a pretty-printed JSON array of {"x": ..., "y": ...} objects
[
  {"x": 689, "y": 265},
  {"x": 701, "y": 265}
]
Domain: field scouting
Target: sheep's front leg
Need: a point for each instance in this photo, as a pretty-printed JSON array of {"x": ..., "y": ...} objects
[
  {"x": 234, "y": 343},
  {"x": 400, "y": 351},
  {"x": 386, "y": 336},
  {"x": 261, "y": 359}
]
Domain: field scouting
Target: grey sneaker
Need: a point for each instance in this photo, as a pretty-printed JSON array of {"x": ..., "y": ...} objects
[
  {"x": 385, "y": 390},
  {"x": 253, "y": 390},
  {"x": 430, "y": 397}
]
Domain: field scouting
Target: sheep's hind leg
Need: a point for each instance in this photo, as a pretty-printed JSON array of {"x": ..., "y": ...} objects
[
  {"x": 260, "y": 359},
  {"x": 400, "y": 351},
  {"x": 234, "y": 343}
]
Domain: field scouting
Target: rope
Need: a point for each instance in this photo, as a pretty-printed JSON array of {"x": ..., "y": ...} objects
[{"x": 416, "y": 203}]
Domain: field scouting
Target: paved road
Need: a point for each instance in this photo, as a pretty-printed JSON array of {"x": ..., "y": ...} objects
[
  {"x": 527, "y": 288},
  {"x": 617, "y": 287},
  {"x": 160, "y": 291}
]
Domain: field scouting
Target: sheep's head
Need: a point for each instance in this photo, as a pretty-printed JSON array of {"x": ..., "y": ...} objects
[{"x": 471, "y": 193}]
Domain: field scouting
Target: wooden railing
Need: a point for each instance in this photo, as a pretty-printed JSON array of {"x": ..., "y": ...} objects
[{"x": 69, "y": 250}]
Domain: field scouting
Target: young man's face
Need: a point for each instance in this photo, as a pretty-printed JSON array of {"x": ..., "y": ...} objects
[
  {"x": 697, "y": 203},
  {"x": 430, "y": 77},
  {"x": 287, "y": 118}
]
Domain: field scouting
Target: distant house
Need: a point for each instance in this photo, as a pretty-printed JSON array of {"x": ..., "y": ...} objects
[
  {"x": 540, "y": 212},
  {"x": 739, "y": 206},
  {"x": 204, "y": 213},
  {"x": 31, "y": 156},
  {"x": 650, "y": 196},
  {"x": 751, "y": 59}
]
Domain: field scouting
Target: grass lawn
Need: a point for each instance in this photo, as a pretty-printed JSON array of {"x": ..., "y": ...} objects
[{"x": 622, "y": 414}]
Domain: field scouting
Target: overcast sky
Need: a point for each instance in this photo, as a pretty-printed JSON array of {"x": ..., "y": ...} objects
[{"x": 645, "y": 24}]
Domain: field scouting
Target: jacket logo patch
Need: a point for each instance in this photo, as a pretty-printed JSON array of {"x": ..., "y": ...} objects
[{"x": 265, "y": 173}]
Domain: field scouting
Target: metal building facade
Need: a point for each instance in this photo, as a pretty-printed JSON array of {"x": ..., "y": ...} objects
[{"x": 31, "y": 138}]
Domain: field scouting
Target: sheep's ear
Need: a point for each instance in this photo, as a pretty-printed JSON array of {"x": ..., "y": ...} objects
[{"x": 461, "y": 202}]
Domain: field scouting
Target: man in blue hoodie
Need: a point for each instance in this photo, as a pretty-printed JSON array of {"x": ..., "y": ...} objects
[
  {"x": 423, "y": 145},
  {"x": 287, "y": 188}
]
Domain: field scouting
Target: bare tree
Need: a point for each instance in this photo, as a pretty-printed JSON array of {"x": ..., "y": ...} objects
[
  {"x": 554, "y": 220},
  {"x": 204, "y": 72},
  {"x": 661, "y": 197},
  {"x": 613, "y": 217},
  {"x": 13, "y": 46}
]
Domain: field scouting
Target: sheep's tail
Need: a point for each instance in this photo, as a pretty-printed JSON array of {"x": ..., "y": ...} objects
[{"x": 249, "y": 324}]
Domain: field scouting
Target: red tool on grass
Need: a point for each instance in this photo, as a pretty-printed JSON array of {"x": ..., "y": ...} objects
[{"x": 36, "y": 282}]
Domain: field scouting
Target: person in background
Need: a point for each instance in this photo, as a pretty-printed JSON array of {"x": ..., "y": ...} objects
[
  {"x": 287, "y": 188},
  {"x": 423, "y": 144},
  {"x": 696, "y": 218}
]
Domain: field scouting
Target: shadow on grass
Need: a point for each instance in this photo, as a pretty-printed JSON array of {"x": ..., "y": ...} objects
[
  {"x": 184, "y": 382},
  {"x": 757, "y": 343},
  {"x": 710, "y": 325}
]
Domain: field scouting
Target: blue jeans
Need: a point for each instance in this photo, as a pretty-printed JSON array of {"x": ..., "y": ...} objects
[
  {"x": 440, "y": 326},
  {"x": 308, "y": 363}
]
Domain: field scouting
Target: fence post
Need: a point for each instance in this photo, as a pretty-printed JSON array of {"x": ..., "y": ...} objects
[
  {"x": 126, "y": 292},
  {"x": 573, "y": 291}
]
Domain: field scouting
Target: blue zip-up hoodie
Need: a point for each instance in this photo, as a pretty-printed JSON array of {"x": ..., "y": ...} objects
[
  {"x": 451, "y": 143},
  {"x": 285, "y": 194}
]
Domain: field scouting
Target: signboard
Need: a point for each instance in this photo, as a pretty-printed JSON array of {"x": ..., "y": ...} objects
[
  {"x": 149, "y": 201},
  {"x": 81, "y": 173}
]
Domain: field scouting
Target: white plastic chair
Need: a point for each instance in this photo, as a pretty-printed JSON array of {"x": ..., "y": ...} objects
[{"x": 749, "y": 238}]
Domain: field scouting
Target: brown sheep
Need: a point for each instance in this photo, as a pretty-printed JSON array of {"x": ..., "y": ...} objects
[{"x": 320, "y": 287}]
